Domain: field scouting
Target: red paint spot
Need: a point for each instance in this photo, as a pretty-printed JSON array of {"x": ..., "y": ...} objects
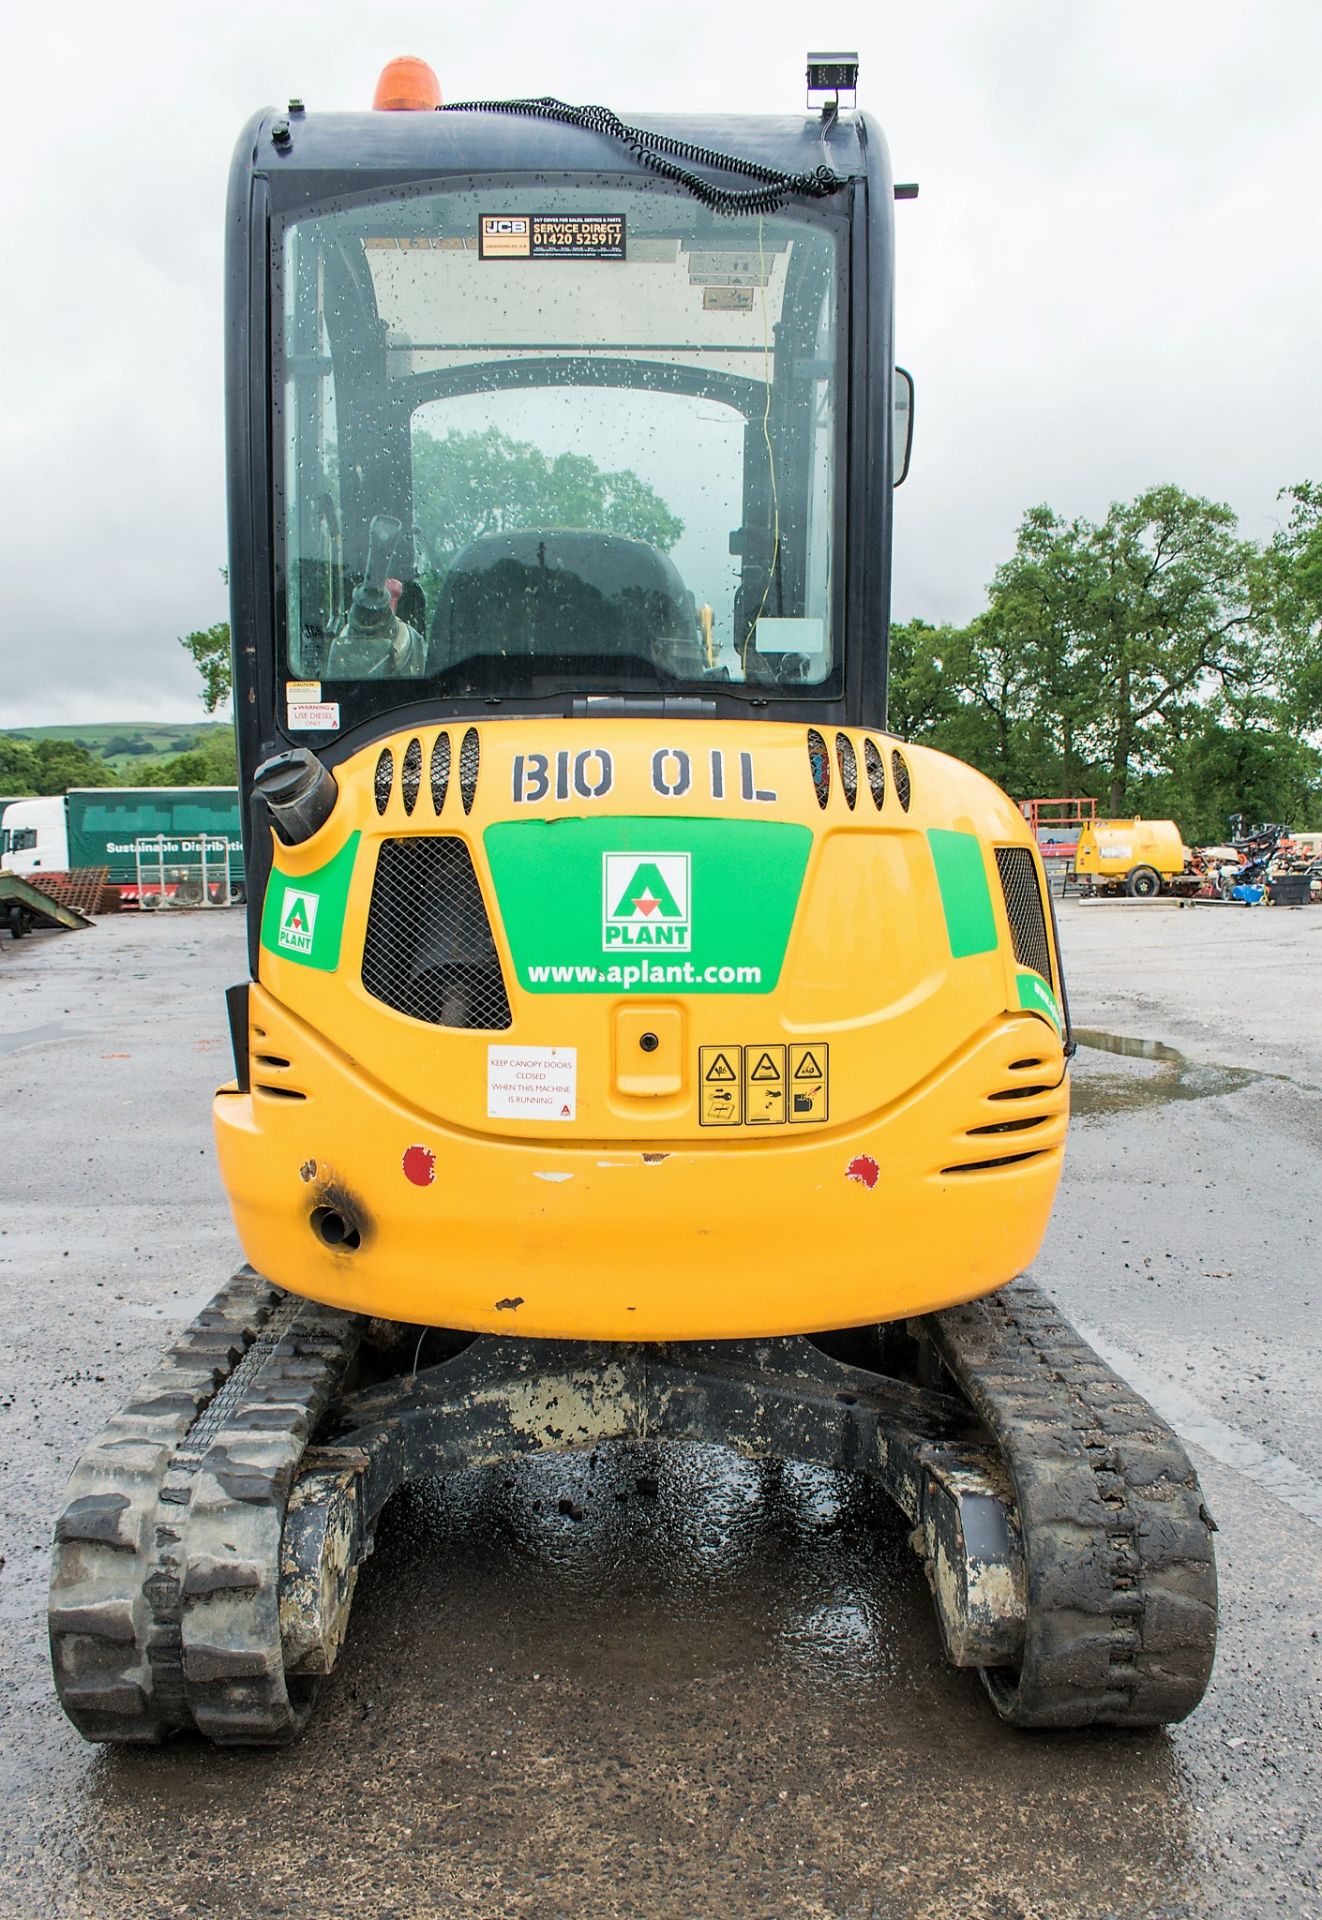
[
  {"x": 864, "y": 1169},
  {"x": 420, "y": 1166}
]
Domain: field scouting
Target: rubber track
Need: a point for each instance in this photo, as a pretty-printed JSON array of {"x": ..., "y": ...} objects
[
  {"x": 164, "y": 1609},
  {"x": 1121, "y": 1575}
]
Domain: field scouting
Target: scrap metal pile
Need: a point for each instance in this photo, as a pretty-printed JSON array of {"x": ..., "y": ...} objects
[{"x": 1263, "y": 863}]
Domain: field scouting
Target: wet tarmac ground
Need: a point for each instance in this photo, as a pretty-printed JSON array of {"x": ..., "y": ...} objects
[{"x": 719, "y": 1690}]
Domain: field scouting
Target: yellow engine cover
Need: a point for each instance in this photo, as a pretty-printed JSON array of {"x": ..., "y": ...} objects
[{"x": 638, "y": 1031}]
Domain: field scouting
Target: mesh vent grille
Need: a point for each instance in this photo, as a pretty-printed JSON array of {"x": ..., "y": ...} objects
[
  {"x": 1023, "y": 907},
  {"x": 410, "y": 774},
  {"x": 819, "y": 764},
  {"x": 440, "y": 771},
  {"x": 900, "y": 775},
  {"x": 848, "y": 763},
  {"x": 383, "y": 779},
  {"x": 876, "y": 770},
  {"x": 429, "y": 951},
  {"x": 470, "y": 756}
]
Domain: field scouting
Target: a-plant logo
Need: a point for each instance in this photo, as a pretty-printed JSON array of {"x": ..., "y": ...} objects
[
  {"x": 645, "y": 902},
  {"x": 298, "y": 918}
]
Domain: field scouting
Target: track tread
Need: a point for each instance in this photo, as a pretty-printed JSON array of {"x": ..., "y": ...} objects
[
  {"x": 164, "y": 1586},
  {"x": 1121, "y": 1573}
]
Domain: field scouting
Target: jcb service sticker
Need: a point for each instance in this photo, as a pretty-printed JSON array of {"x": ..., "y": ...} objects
[{"x": 551, "y": 236}]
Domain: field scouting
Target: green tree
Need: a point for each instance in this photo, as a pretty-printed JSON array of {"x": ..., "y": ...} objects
[
  {"x": 1155, "y": 661},
  {"x": 214, "y": 763},
  {"x": 1292, "y": 593},
  {"x": 1107, "y": 638},
  {"x": 467, "y": 484},
  {"x": 49, "y": 766},
  {"x": 1222, "y": 767},
  {"x": 1039, "y": 603},
  {"x": 210, "y": 648},
  {"x": 17, "y": 767},
  {"x": 920, "y": 694},
  {"x": 1167, "y": 622}
]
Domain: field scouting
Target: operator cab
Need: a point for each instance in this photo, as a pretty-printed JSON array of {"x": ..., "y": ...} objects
[{"x": 548, "y": 430}]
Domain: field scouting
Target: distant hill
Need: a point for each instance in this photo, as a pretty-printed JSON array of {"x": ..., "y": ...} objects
[{"x": 129, "y": 745}]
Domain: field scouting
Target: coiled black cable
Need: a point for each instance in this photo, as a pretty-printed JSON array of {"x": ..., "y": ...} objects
[{"x": 651, "y": 150}]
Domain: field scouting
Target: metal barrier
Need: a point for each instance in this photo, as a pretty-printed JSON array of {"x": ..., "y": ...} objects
[{"x": 173, "y": 872}]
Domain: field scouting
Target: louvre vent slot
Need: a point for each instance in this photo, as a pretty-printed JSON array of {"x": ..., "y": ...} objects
[
  {"x": 429, "y": 951},
  {"x": 847, "y": 760},
  {"x": 440, "y": 771},
  {"x": 1023, "y": 909},
  {"x": 1019, "y": 1093},
  {"x": 1012, "y": 1126},
  {"x": 410, "y": 774},
  {"x": 470, "y": 756},
  {"x": 819, "y": 765},
  {"x": 876, "y": 772},
  {"x": 900, "y": 775},
  {"x": 991, "y": 1166},
  {"x": 383, "y": 779}
]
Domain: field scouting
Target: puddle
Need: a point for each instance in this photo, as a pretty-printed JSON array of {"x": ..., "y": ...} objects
[
  {"x": 39, "y": 1036},
  {"x": 1175, "y": 1076}
]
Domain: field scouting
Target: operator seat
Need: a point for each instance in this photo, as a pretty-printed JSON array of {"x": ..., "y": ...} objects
[{"x": 543, "y": 594}]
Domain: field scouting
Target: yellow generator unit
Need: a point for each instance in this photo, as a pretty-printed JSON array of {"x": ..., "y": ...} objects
[
  {"x": 1139, "y": 857},
  {"x": 636, "y": 1031}
]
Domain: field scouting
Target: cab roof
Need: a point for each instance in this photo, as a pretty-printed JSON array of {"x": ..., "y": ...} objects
[{"x": 289, "y": 147}]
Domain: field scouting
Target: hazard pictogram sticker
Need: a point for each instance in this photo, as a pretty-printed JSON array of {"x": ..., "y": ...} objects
[
  {"x": 809, "y": 1084},
  {"x": 764, "y": 1086},
  {"x": 720, "y": 1090}
]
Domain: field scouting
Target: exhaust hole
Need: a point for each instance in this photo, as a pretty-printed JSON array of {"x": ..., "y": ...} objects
[{"x": 333, "y": 1230}]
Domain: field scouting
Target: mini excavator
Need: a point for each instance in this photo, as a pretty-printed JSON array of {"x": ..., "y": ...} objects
[{"x": 639, "y": 1038}]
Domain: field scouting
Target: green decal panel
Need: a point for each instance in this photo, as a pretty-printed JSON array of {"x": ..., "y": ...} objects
[
  {"x": 961, "y": 874},
  {"x": 1036, "y": 995},
  {"x": 303, "y": 920},
  {"x": 647, "y": 906}
]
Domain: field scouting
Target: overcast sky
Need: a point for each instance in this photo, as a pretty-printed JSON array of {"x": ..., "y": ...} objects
[{"x": 1111, "y": 277}]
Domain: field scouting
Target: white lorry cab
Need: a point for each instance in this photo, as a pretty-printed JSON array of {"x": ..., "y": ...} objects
[{"x": 34, "y": 836}]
